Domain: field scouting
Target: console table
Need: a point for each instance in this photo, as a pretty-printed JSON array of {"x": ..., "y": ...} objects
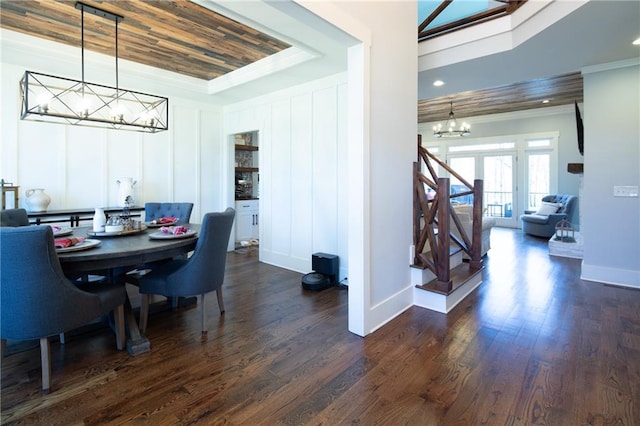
[{"x": 74, "y": 216}]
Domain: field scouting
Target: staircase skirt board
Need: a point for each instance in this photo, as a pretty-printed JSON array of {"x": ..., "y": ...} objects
[{"x": 429, "y": 295}]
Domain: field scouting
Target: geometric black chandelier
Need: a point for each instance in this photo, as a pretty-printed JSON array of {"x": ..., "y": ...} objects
[
  {"x": 448, "y": 130},
  {"x": 62, "y": 100}
]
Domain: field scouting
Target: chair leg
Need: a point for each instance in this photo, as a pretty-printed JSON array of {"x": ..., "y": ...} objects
[
  {"x": 45, "y": 359},
  {"x": 203, "y": 316},
  {"x": 144, "y": 312},
  {"x": 118, "y": 317},
  {"x": 220, "y": 302}
]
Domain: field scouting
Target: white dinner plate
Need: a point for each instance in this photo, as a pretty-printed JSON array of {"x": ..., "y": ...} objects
[
  {"x": 61, "y": 232},
  {"x": 160, "y": 225},
  {"x": 169, "y": 236},
  {"x": 86, "y": 244}
]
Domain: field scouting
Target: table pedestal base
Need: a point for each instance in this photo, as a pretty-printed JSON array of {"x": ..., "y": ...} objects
[
  {"x": 139, "y": 346},
  {"x": 136, "y": 343}
]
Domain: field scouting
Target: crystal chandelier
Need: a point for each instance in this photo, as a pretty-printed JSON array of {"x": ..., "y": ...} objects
[
  {"x": 448, "y": 130},
  {"x": 54, "y": 99}
]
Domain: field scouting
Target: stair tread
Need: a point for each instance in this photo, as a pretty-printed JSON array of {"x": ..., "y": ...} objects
[{"x": 459, "y": 276}]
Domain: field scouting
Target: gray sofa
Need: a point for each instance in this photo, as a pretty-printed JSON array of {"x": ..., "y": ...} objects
[{"x": 542, "y": 225}]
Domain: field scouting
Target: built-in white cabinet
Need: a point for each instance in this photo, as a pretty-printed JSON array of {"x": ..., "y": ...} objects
[
  {"x": 247, "y": 181},
  {"x": 247, "y": 220}
]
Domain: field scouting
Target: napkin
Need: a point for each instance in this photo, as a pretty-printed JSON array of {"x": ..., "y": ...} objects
[
  {"x": 68, "y": 242},
  {"x": 175, "y": 230},
  {"x": 165, "y": 220}
]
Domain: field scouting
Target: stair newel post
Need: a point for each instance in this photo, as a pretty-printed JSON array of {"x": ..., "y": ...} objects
[
  {"x": 416, "y": 212},
  {"x": 443, "y": 272},
  {"x": 476, "y": 229}
]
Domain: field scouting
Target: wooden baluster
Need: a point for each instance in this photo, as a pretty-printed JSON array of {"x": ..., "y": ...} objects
[
  {"x": 476, "y": 229},
  {"x": 443, "y": 265}
]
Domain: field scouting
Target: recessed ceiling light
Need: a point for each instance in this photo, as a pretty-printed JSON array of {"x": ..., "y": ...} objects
[
  {"x": 545, "y": 101},
  {"x": 636, "y": 42},
  {"x": 438, "y": 83}
]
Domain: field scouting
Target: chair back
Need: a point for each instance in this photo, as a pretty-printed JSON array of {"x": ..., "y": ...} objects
[
  {"x": 182, "y": 211},
  {"x": 204, "y": 271},
  {"x": 569, "y": 204},
  {"x": 36, "y": 299},
  {"x": 14, "y": 217}
]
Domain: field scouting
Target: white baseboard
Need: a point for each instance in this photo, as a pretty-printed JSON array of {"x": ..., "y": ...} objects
[
  {"x": 390, "y": 308},
  {"x": 442, "y": 303},
  {"x": 603, "y": 274}
]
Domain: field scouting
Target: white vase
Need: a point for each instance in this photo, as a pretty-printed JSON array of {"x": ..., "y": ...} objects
[
  {"x": 125, "y": 191},
  {"x": 37, "y": 200},
  {"x": 99, "y": 220}
]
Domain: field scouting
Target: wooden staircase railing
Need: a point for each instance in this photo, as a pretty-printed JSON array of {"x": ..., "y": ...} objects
[{"x": 432, "y": 221}]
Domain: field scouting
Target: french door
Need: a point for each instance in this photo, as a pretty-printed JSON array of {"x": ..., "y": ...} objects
[{"x": 498, "y": 171}]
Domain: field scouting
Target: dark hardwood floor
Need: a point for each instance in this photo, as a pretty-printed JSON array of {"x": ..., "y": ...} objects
[{"x": 533, "y": 344}]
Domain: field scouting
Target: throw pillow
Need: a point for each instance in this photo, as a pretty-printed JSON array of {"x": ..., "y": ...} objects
[
  {"x": 464, "y": 211},
  {"x": 548, "y": 208}
]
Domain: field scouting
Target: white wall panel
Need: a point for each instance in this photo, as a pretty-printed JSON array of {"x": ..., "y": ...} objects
[
  {"x": 156, "y": 174},
  {"x": 185, "y": 147},
  {"x": 122, "y": 162},
  {"x": 301, "y": 176},
  {"x": 262, "y": 118},
  {"x": 325, "y": 168},
  {"x": 41, "y": 160},
  {"x": 86, "y": 173},
  {"x": 280, "y": 178},
  {"x": 212, "y": 165},
  {"x": 343, "y": 166}
]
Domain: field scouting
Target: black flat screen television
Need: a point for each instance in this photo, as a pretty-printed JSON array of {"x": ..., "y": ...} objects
[{"x": 580, "y": 129}]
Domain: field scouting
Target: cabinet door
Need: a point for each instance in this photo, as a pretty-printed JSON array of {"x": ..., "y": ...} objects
[
  {"x": 246, "y": 220},
  {"x": 244, "y": 226},
  {"x": 254, "y": 229}
]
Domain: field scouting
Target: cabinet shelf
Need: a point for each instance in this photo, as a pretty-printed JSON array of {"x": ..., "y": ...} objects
[
  {"x": 246, "y": 148},
  {"x": 247, "y": 169}
]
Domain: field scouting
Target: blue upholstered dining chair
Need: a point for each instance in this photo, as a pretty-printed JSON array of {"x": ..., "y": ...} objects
[
  {"x": 38, "y": 301},
  {"x": 201, "y": 273},
  {"x": 14, "y": 217},
  {"x": 182, "y": 211}
]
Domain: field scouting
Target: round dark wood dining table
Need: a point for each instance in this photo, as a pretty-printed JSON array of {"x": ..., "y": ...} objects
[{"x": 116, "y": 253}]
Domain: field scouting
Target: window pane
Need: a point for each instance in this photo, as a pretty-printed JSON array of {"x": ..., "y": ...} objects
[
  {"x": 537, "y": 143},
  {"x": 486, "y": 146},
  {"x": 465, "y": 167},
  {"x": 539, "y": 172},
  {"x": 498, "y": 185}
]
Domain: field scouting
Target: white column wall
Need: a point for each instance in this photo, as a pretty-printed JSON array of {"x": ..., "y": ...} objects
[
  {"x": 611, "y": 228},
  {"x": 382, "y": 117}
]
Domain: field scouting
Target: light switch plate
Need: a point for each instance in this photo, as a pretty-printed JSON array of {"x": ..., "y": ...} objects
[{"x": 625, "y": 191}]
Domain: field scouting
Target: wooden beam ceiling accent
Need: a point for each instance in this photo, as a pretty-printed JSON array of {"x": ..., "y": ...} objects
[
  {"x": 508, "y": 8},
  {"x": 561, "y": 90},
  {"x": 178, "y": 36}
]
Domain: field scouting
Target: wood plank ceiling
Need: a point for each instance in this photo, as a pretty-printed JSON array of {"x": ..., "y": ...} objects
[
  {"x": 186, "y": 38},
  {"x": 178, "y": 36},
  {"x": 561, "y": 90}
]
